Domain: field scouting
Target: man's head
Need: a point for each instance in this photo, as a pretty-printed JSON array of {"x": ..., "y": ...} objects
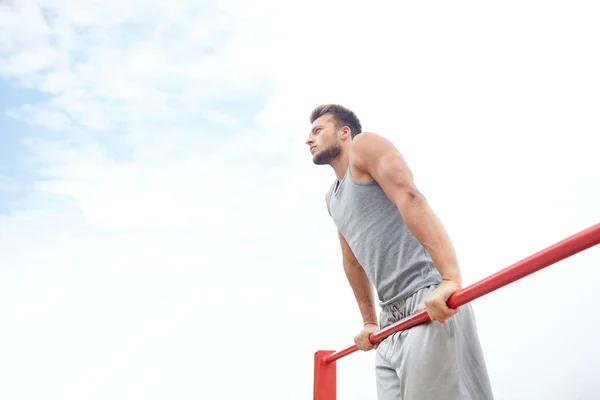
[{"x": 333, "y": 128}]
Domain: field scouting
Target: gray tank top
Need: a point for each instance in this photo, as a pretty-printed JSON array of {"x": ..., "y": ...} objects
[{"x": 393, "y": 259}]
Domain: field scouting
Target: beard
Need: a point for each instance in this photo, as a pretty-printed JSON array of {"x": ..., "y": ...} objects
[{"x": 328, "y": 155}]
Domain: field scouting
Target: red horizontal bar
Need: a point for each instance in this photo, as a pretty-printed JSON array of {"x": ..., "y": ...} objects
[{"x": 542, "y": 259}]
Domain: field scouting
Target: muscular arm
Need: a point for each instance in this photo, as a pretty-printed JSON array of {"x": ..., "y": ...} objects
[
  {"x": 359, "y": 282},
  {"x": 377, "y": 157}
]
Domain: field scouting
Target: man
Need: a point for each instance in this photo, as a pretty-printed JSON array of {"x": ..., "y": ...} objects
[{"x": 392, "y": 240}]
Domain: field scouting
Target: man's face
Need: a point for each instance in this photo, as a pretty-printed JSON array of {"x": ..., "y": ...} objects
[{"x": 324, "y": 141}]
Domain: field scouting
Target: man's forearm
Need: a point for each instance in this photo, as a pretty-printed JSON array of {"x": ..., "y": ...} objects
[
  {"x": 429, "y": 231},
  {"x": 363, "y": 291}
]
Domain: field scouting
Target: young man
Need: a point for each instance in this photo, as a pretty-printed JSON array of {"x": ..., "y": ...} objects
[{"x": 392, "y": 240}]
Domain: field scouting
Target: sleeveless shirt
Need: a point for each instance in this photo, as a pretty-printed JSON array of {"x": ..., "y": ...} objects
[{"x": 393, "y": 259}]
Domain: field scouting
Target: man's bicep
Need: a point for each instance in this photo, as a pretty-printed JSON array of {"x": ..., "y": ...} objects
[
  {"x": 396, "y": 179},
  {"x": 381, "y": 159}
]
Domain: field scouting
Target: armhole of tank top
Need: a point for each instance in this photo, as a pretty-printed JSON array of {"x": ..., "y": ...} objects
[{"x": 356, "y": 181}]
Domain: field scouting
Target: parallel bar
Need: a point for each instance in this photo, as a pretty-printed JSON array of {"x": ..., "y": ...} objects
[{"x": 572, "y": 245}]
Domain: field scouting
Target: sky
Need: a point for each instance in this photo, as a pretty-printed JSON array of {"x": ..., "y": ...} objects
[{"x": 163, "y": 232}]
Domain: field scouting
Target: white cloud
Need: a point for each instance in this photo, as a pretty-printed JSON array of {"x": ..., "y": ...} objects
[{"x": 175, "y": 248}]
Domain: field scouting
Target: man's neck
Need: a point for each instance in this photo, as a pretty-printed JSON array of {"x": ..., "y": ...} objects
[{"x": 340, "y": 165}]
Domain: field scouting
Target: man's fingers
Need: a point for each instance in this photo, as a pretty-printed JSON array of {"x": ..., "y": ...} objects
[
  {"x": 440, "y": 314},
  {"x": 438, "y": 310},
  {"x": 450, "y": 312},
  {"x": 363, "y": 343},
  {"x": 431, "y": 315},
  {"x": 447, "y": 314}
]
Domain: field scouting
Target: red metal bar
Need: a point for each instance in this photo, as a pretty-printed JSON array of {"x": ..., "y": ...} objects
[
  {"x": 325, "y": 376},
  {"x": 557, "y": 252}
]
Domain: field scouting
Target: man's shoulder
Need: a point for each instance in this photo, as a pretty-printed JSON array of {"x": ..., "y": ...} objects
[
  {"x": 364, "y": 139},
  {"x": 367, "y": 149},
  {"x": 328, "y": 193},
  {"x": 327, "y": 197},
  {"x": 370, "y": 144}
]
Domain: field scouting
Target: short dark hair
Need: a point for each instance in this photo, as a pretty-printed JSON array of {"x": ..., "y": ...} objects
[{"x": 342, "y": 116}]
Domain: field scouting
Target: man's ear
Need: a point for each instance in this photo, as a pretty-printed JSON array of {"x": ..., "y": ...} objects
[{"x": 346, "y": 133}]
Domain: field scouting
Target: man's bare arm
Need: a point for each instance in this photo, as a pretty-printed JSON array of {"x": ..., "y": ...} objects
[
  {"x": 377, "y": 157},
  {"x": 359, "y": 282}
]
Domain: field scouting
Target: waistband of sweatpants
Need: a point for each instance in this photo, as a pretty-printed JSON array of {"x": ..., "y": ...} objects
[{"x": 397, "y": 305}]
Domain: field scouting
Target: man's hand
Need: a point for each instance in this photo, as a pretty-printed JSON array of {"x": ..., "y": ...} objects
[
  {"x": 436, "y": 305},
  {"x": 362, "y": 339}
]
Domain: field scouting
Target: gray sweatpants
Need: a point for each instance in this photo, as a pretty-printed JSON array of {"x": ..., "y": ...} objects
[{"x": 432, "y": 361}]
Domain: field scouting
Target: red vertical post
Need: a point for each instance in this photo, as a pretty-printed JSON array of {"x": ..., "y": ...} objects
[{"x": 324, "y": 382}]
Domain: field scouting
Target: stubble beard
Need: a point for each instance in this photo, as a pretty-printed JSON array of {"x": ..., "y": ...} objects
[{"x": 328, "y": 156}]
